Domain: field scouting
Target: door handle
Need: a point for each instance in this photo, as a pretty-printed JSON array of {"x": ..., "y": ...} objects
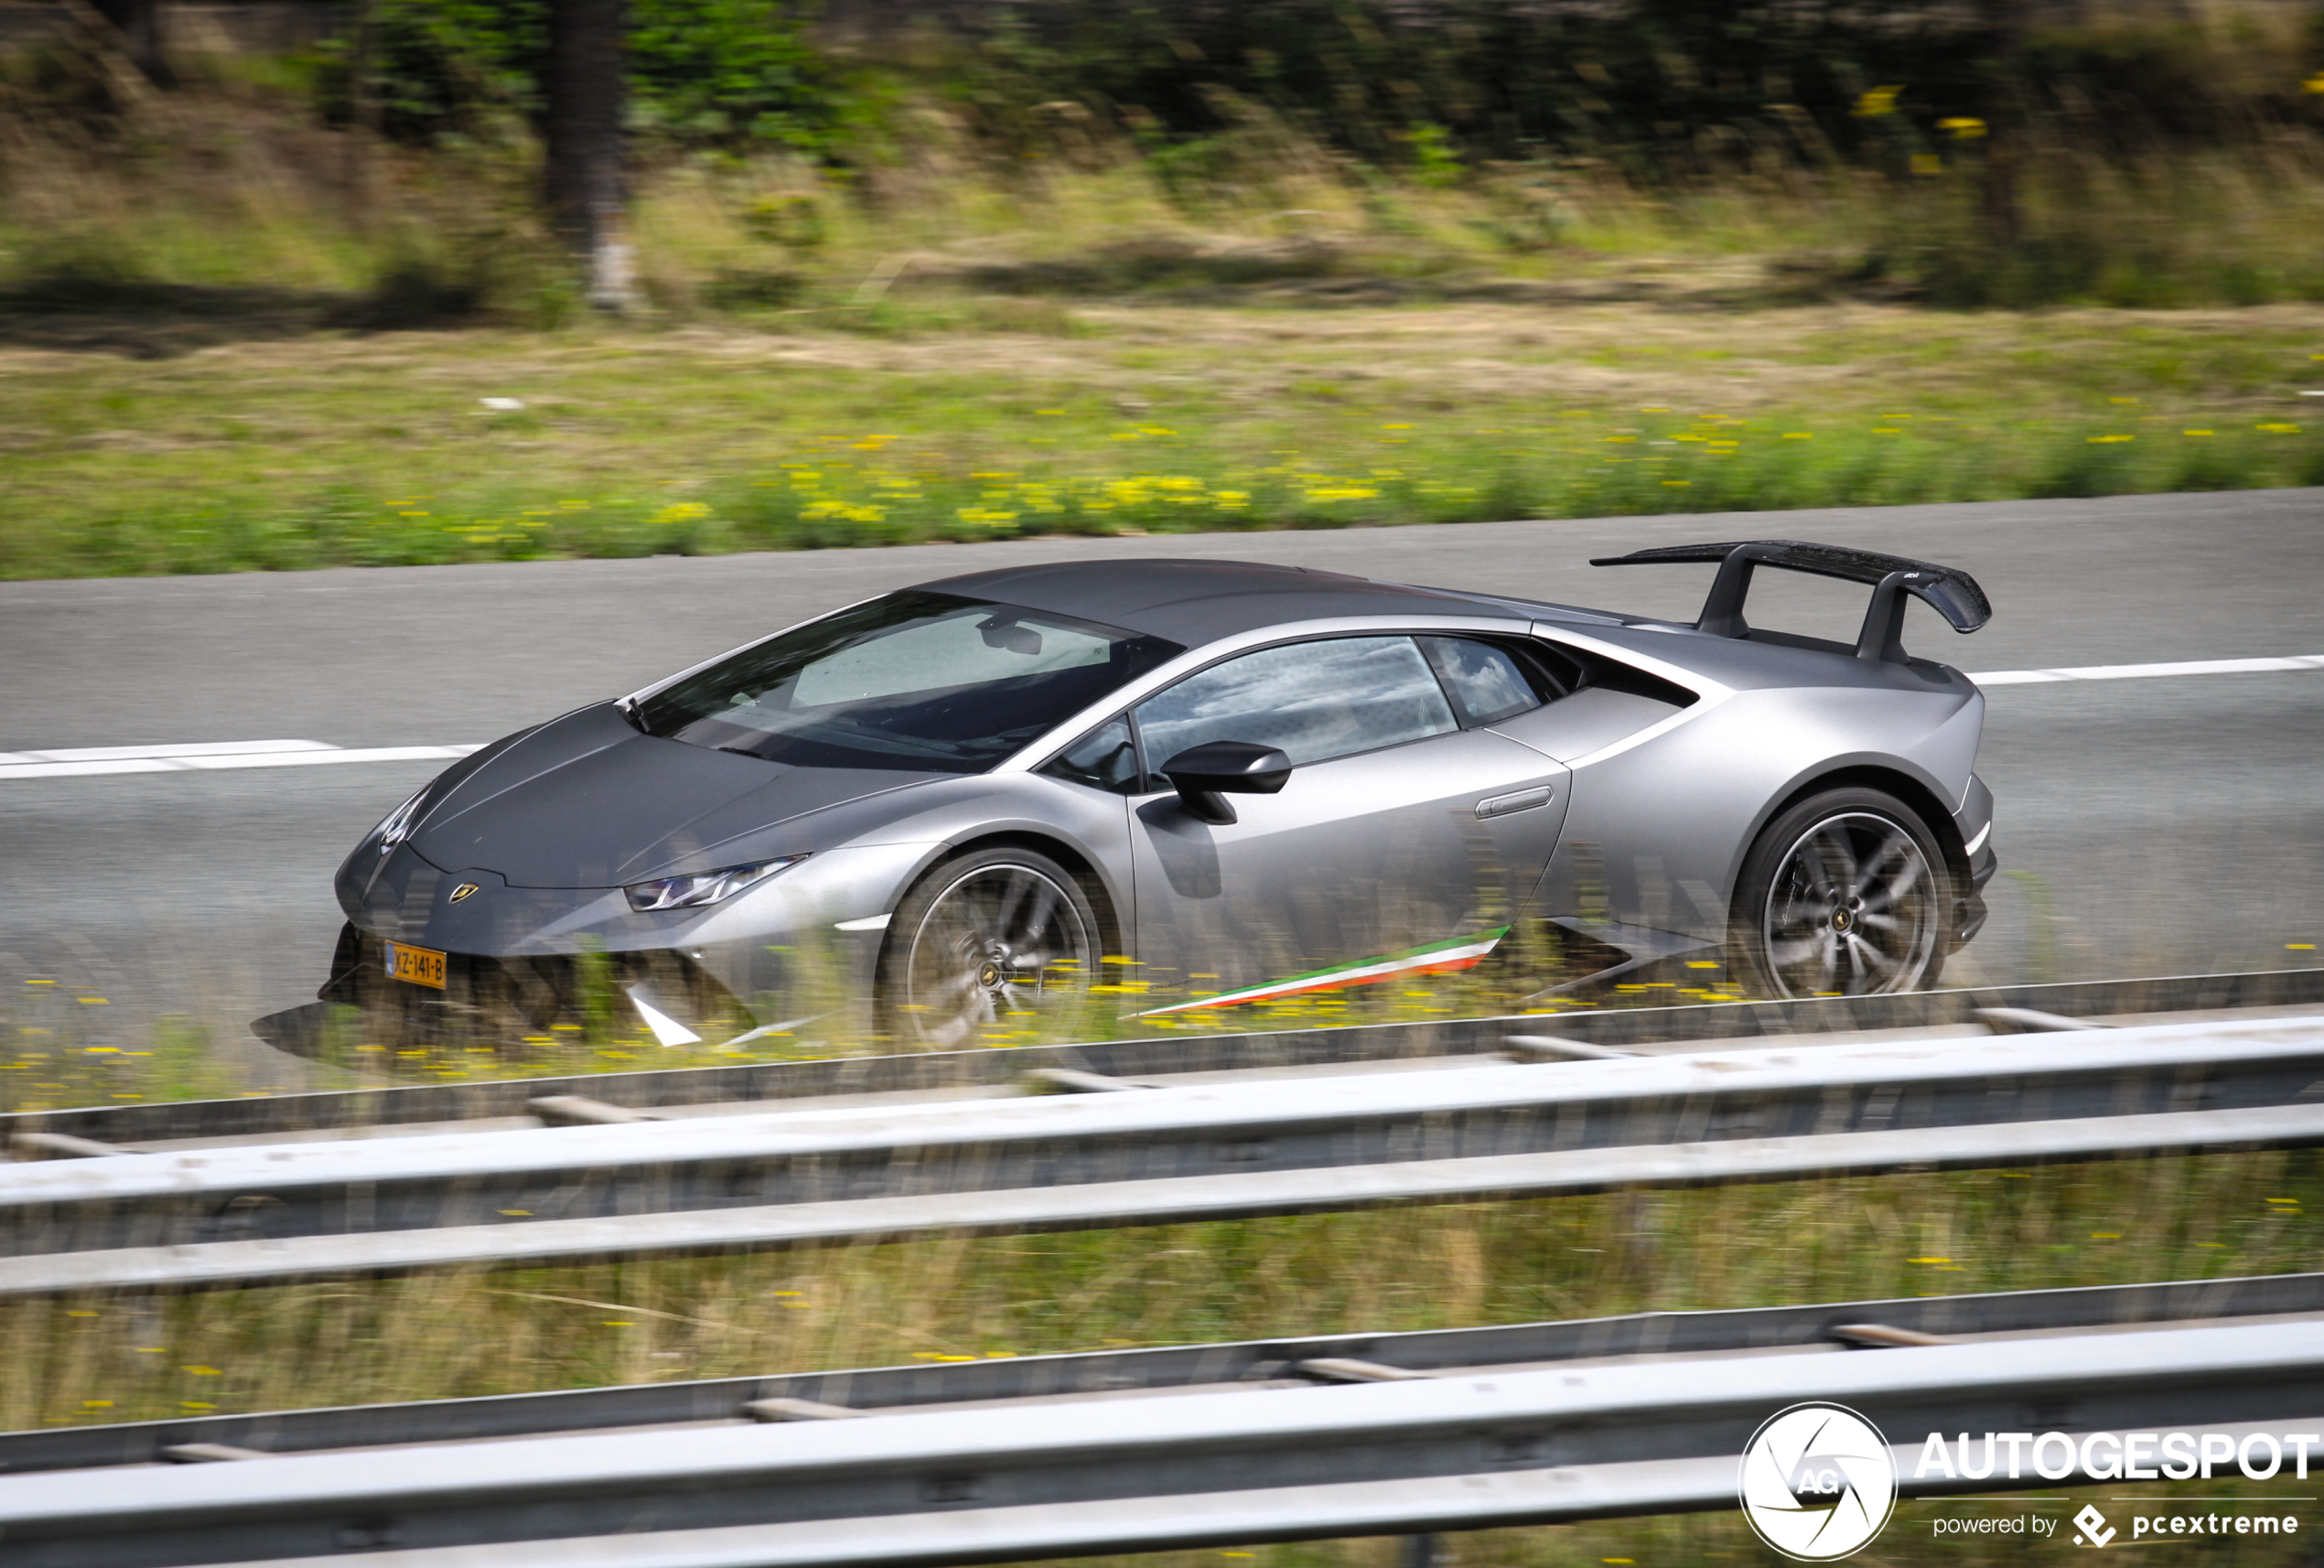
[{"x": 1515, "y": 800}]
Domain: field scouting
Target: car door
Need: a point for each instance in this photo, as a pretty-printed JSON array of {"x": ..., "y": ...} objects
[{"x": 1406, "y": 822}]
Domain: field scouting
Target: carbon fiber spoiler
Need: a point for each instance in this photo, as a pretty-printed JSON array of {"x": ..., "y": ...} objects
[{"x": 1951, "y": 593}]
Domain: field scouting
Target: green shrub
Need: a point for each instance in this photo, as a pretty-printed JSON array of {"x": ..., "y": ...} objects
[{"x": 731, "y": 73}]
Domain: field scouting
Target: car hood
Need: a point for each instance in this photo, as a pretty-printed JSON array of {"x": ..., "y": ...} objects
[{"x": 588, "y": 802}]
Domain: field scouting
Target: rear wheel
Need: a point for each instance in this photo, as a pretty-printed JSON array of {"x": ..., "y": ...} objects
[
  {"x": 1844, "y": 894},
  {"x": 1001, "y": 938}
]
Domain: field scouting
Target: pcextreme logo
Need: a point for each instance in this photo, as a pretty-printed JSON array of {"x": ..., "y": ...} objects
[{"x": 1817, "y": 1482}]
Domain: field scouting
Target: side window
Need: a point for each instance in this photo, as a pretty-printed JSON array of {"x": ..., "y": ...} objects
[
  {"x": 1312, "y": 701},
  {"x": 1486, "y": 682},
  {"x": 1103, "y": 760}
]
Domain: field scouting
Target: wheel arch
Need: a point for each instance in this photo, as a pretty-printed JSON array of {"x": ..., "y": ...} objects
[
  {"x": 1913, "y": 791},
  {"x": 1111, "y": 934}
]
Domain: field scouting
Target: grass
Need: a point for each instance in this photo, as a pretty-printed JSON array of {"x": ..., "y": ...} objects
[
  {"x": 99, "y": 1360},
  {"x": 208, "y": 367},
  {"x": 62, "y": 1047},
  {"x": 382, "y": 450}
]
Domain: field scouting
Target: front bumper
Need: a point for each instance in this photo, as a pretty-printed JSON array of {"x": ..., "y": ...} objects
[
  {"x": 659, "y": 993},
  {"x": 536, "y": 958}
]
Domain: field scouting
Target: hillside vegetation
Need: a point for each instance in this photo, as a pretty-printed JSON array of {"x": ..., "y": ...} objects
[{"x": 1178, "y": 268}]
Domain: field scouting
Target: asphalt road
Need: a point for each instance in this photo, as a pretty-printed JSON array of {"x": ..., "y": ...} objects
[{"x": 2147, "y": 826}]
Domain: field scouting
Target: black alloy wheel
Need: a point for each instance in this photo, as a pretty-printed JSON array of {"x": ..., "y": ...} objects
[
  {"x": 997, "y": 938},
  {"x": 1845, "y": 894}
]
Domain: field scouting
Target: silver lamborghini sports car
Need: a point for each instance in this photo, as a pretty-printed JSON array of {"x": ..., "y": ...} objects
[{"x": 956, "y": 803}]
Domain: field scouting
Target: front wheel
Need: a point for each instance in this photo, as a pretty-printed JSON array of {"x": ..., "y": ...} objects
[
  {"x": 1003, "y": 936},
  {"x": 1844, "y": 894}
]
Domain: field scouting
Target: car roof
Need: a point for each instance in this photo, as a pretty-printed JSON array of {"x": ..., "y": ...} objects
[{"x": 1194, "y": 602}]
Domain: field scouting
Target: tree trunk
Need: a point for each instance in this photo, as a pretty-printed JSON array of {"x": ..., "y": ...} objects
[
  {"x": 2004, "y": 22},
  {"x": 362, "y": 112},
  {"x": 586, "y": 187},
  {"x": 137, "y": 24}
]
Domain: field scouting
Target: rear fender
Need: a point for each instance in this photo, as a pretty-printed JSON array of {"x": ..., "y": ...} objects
[
  {"x": 1932, "y": 771},
  {"x": 1658, "y": 832}
]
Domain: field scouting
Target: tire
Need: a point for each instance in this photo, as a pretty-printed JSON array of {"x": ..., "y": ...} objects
[
  {"x": 1846, "y": 894},
  {"x": 998, "y": 938}
]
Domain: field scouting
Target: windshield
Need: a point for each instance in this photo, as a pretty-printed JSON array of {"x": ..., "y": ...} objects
[{"x": 928, "y": 683}]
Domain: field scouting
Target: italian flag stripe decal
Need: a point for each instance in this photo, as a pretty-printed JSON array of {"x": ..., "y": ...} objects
[{"x": 1437, "y": 958}]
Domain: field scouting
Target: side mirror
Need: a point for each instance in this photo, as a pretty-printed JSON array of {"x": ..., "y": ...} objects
[{"x": 1205, "y": 775}]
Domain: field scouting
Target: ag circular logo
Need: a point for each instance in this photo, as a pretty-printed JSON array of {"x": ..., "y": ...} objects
[{"x": 1817, "y": 1482}]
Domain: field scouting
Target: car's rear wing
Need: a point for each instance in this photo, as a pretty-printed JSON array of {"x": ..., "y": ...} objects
[{"x": 1952, "y": 593}]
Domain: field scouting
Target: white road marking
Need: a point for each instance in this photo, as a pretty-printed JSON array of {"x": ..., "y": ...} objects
[
  {"x": 205, "y": 757},
  {"x": 2149, "y": 672},
  {"x": 138, "y": 753}
]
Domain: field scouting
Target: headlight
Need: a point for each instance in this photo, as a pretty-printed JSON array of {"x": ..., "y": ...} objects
[
  {"x": 708, "y": 888},
  {"x": 398, "y": 825}
]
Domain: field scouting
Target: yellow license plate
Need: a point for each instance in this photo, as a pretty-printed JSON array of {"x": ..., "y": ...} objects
[{"x": 421, "y": 966}]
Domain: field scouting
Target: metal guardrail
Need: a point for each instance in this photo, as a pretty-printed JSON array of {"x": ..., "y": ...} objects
[
  {"x": 1226, "y": 1444},
  {"x": 227, "y": 1215},
  {"x": 930, "y": 1072},
  {"x": 1272, "y": 1362}
]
